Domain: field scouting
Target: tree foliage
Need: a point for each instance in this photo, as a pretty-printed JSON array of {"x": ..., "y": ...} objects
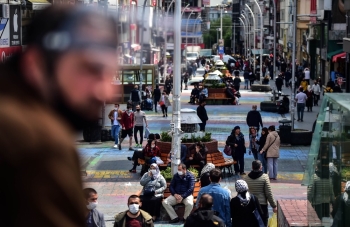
[{"x": 210, "y": 36}]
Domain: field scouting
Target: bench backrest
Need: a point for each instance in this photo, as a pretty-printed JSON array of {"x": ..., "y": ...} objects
[{"x": 197, "y": 187}]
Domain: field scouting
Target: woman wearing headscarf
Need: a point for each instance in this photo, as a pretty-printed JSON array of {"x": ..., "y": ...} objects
[
  {"x": 341, "y": 208},
  {"x": 243, "y": 205},
  {"x": 237, "y": 143},
  {"x": 205, "y": 181},
  {"x": 310, "y": 98},
  {"x": 253, "y": 145},
  {"x": 261, "y": 142},
  {"x": 154, "y": 186}
]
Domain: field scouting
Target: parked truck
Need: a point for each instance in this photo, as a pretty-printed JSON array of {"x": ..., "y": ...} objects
[{"x": 192, "y": 53}]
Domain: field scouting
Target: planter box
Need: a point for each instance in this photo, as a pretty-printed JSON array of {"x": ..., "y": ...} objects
[
  {"x": 260, "y": 87},
  {"x": 216, "y": 90},
  {"x": 166, "y": 146},
  {"x": 303, "y": 137}
]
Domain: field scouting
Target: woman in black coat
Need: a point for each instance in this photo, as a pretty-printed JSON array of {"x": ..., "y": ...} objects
[
  {"x": 243, "y": 205},
  {"x": 261, "y": 142},
  {"x": 156, "y": 97},
  {"x": 237, "y": 143}
]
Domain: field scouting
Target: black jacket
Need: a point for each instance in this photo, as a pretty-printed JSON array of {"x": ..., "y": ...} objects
[
  {"x": 279, "y": 82},
  {"x": 205, "y": 181},
  {"x": 156, "y": 94},
  {"x": 201, "y": 155},
  {"x": 202, "y": 113},
  {"x": 261, "y": 142},
  {"x": 195, "y": 92},
  {"x": 236, "y": 81},
  {"x": 242, "y": 216},
  {"x": 135, "y": 95},
  {"x": 240, "y": 150},
  {"x": 246, "y": 75},
  {"x": 204, "y": 218},
  {"x": 254, "y": 118}
]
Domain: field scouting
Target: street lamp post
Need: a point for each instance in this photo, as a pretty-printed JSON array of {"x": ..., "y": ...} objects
[
  {"x": 274, "y": 39},
  {"x": 293, "y": 62},
  {"x": 248, "y": 31},
  {"x": 176, "y": 118},
  {"x": 244, "y": 33},
  {"x": 141, "y": 42},
  {"x": 254, "y": 26},
  {"x": 165, "y": 33},
  {"x": 261, "y": 36},
  {"x": 187, "y": 37}
]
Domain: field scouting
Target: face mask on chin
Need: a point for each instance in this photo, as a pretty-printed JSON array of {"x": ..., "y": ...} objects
[
  {"x": 134, "y": 208},
  {"x": 92, "y": 205},
  {"x": 116, "y": 108}
]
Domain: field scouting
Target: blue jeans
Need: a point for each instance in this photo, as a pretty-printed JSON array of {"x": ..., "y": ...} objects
[
  {"x": 115, "y": 133},
  {"x": 272, "y": 163},
  {"x": 300, "y": 110},
  {"x": 246, "y": 83},
  {"x": 263, "y": 162}
]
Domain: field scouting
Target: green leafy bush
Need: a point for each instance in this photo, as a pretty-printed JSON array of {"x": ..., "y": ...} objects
[
  {"x": 165, "y": 137},
  {"x": 193, "y": 171},
  {"x": 167, "y": 174}
]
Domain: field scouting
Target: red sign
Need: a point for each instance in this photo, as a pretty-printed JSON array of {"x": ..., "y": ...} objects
[
  {"x": 132, "y": 27},
  {"x": 154, "y": 3},
  {"x": 9, "y": 51}
]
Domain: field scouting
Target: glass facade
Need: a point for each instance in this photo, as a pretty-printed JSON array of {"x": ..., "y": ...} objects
[{"x": 328, "y": 166}]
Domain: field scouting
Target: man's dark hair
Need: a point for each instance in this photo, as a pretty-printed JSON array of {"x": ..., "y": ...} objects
[
  {"x": 272, "y": 128},
  {"x": 200, "y": 144},
  {"x": 183, "y": 166},
  {"x": 256, "y": 165},
  {"x": 88, "y": 191},
  {"x": 206, "y": 201},
  {"x": 133, "y": 197},
  {"x": 215, "y": 175}
]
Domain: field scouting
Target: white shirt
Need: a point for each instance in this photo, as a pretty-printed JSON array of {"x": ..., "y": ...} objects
[
  {"x": 301, "y": 97},
  {"x": 115, "y": 121},
  {"x": 316, "y": 89},
  {"x": 334, "y": 152},
  {"x": 307, "y": 74}
]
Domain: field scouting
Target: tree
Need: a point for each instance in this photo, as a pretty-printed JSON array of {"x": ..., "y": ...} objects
[{"x": 210, "y": 36}]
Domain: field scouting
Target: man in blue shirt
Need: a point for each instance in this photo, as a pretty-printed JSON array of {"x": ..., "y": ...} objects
[
  {"x": 221, "y": 196},
  {"x": 181, "y": 189}
]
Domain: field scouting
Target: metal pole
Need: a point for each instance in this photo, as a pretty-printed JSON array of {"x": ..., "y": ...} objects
[
  {"x": 261, "y": 37},
  {"x": 166, "y": 35},
  {"x": 220, "y": 22},
  {"x": 141, "y": 42},
  {"x": 234, "y": 38},
  {"x": 293, "y": 62},
  {"x": 274, "y": 43},
  {"x": 254, "y": 26},
  {"x": 186, "y": 39},
  {"x": 244, "y": 29},
  {"x": 247, "y": 33},
  {"x": 176, "y": 120}
]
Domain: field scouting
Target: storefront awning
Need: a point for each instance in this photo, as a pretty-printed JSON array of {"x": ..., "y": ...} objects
[
  {"x": 338, "y": 57},
  {"x": 37, "y": 4},
  {"x": 331, "y": 54}
]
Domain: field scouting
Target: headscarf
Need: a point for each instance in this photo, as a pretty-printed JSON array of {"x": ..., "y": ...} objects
[
  {"x": 346, "y": 193},
  {"x": 242, "y": 189},
  {"x": 155, "y": 176},
  {"x": 207, "y": 168},
  {"x": 332, "y": 168}
]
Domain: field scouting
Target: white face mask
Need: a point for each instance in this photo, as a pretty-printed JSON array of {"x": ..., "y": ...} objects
[
  {"x": 134, "y": 208},
  {"x": 153, "y": 146},
  {"x": 116, "y": 108},
  {"x": 180, "y": 173},
  {"x": 154, "y": 171},
  {"x": 92, "y": 205}
]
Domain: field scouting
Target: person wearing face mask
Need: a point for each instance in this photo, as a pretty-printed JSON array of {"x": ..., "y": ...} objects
[
  {"x": 150, "y": 151},
  {"x": 154, "y": 185},
  {"x": 115, "y": 116},
  {"x": 94, "y": 218},
  {"x": 181, "y": 189},
  {"x": 134, "y": 216},
  {"x": 127, "y": 123},
  {"x": 139, "y": 118}
]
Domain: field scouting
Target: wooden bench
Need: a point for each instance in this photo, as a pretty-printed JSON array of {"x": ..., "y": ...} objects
[
  {"x": 220, "y": 162},
  {"x": 163, "y": 156},
  {"x": 218, "y": 96}
]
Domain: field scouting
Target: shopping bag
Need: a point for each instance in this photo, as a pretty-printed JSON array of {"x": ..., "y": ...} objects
[
  {"x": 227, "y": 150},
  {"x": 161, "y": 103},
  {"x": 147, "y": 132},
  {"x": 159, "y": 161},
  {"x": 273, "y": 221}
]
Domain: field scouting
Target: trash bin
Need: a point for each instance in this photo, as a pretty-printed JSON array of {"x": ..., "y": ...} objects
[{"x": 285, "y": 131}]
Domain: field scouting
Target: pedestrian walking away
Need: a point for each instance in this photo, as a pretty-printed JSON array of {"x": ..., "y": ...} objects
[
  {"x": 300, "y": 98},
  {"x": 271, "y": 148},
  {"x": 279, "y": 83},
  {"x": 254, "y": 118},
  {"x": 236, "y": 81},
  {"x": 202, "y": 114},
  {"x": 135, "y": 97},
  {"x": 156, "y": 97},
  {"x": 237, "y": 144},
  {"x": 259, "y": 185},
  {"x": 139, "y": 119},
  {"x": 115, "y": 116},
  {"x": 48, "y": 92}
]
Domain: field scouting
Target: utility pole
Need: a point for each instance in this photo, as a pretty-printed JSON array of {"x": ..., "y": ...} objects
[
  {"x": 274, "y": 42},
  {"x": 176, "y": 120},
  {"x": 141, "y": 42},
  {"x": 293, "y": 62}
]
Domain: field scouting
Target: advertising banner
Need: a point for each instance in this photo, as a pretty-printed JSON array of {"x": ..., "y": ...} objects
[
  {"x": 15, "y": 25},
  {"x": 4, "y": 32},
  {"x": 8, "y": 52}
]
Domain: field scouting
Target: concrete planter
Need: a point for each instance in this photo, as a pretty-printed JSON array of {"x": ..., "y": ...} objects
[
  {"x": 166, "y": 146},
  {"x": 260, "y": 87},
  {"x": 301, "y": 137}
]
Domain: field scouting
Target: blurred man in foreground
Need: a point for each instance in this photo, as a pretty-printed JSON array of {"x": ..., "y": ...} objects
[{"x": 47, "y": 94}]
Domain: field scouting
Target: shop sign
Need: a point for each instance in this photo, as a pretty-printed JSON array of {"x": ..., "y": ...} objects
[
  {"x": 4, "y": 32},
  {"x": 15, "y": 25},
  {"x": 8, "y": 52}
]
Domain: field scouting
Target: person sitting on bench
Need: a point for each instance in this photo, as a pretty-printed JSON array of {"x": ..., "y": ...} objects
[
  {"x": 194, "y": 95},
  {"x": 199, "y": 157}
]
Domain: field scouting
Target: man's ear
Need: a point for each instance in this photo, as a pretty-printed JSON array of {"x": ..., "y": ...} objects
[
  {"x": 140, "y": 205},
  {"x": 32, "y": 68}
]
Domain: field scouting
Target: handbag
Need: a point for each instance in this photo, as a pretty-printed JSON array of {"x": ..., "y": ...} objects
[
  {"x": 161, "y": 103},
  {"x": 147, "y": 133},
  {"x": 227, "y": 150},
  {"x": 149, "y": 190},
  {"x": 257, "y": 215}
]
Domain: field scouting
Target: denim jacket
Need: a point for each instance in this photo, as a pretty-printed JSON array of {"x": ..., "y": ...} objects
[{"x": 221, "y": 198}]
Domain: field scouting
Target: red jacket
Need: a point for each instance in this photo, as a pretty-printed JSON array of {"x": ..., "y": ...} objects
[
  {"x": 151, "y": 152},
  {"x": 127, "y": 121}
]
